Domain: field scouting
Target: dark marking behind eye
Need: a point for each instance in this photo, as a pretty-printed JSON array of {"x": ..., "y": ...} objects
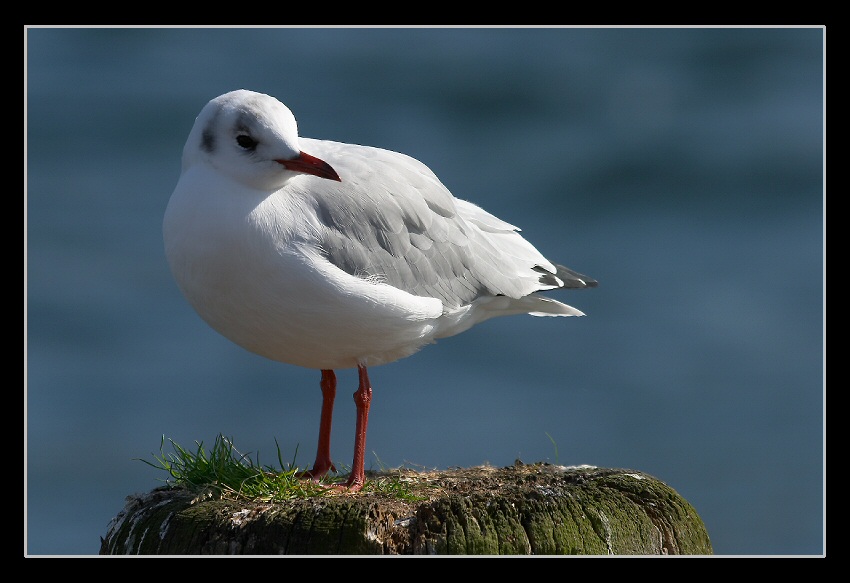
[{"x": 208, "y": 140}]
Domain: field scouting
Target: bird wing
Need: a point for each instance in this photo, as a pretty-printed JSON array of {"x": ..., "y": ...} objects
[{"x": 391, "y": 220}]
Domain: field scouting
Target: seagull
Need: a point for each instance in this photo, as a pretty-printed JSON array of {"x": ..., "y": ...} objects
[{"x": 328, "y": 255}]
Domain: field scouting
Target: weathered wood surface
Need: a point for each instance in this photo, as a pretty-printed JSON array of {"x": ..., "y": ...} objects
[{"x": 523, "y": 509}]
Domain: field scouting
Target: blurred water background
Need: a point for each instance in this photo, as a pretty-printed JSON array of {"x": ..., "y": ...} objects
[{"x": 681, "y": 167}]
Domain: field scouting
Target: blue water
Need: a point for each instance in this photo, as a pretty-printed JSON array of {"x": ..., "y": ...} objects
[{"x": 682, "y": 168}]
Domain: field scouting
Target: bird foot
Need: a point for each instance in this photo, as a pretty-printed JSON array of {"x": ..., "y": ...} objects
[
  {"x": 353, "y": 484},
  {"x": 317, "y": 473}
]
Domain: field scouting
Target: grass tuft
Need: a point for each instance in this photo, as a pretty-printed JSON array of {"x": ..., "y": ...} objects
[{"x": 225, "y": 472}]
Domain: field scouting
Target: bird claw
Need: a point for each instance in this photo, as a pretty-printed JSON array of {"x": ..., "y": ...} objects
[{"x": 317, "y": 473}]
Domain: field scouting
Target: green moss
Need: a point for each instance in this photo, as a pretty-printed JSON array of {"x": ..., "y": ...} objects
[{"x": 474, "y": 511}]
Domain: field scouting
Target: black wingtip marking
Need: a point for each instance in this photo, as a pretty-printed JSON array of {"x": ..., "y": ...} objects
[{"x": 565, "y": 278}]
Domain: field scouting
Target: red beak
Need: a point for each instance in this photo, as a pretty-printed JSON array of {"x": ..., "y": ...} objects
[{"x": 307, "y": 164}]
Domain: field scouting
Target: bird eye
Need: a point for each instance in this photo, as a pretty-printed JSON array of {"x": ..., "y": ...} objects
[{"x": 246, "y": 142}]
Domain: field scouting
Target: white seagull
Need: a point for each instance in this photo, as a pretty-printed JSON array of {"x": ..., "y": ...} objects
[{"x": 329, "y": 255}]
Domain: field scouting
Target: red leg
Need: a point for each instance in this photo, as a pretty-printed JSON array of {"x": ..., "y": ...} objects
[
  {"x": 323, "y": 461},
  {"x": 362, "y": 400}
]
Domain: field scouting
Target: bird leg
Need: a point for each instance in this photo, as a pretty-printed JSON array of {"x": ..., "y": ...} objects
[
  {"x": 323, "y": 461},
  {"x": 362, "y": 401}
]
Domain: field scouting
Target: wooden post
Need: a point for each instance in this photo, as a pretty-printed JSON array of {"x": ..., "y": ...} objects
[{"x": 539, "y": 509}]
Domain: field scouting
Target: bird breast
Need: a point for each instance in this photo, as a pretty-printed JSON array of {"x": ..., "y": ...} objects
[{"x": 268, "y": 286}]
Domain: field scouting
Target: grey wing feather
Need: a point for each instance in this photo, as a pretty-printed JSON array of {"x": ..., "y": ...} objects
[{"x": 410, "y": 232}]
